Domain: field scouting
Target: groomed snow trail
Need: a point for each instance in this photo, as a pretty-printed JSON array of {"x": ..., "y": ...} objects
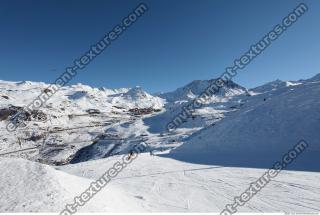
[{"x": 166, "y": 185}]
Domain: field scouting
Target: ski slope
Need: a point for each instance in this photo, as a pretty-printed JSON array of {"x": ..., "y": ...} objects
[
  {"x": 166, "y": 185},
  {"x": 267, "y": 125},
  {"x": 27, "y": 186}
]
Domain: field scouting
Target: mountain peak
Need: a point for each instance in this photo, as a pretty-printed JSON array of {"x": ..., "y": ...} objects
[
  {"x": 196, "y": 87},
  {"x": 315, "y": 78},
  {"x": 136, "y": 93}
]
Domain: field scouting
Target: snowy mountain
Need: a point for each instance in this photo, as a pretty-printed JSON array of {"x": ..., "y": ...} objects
[
  {"x": 227, "y": 99},
  {"x": 274, "y": 85},
  {"x": 195, "y": 88},
  {"x": 77, "y": 115},
  {"x": 223, "y": 146},
  {"x": 316, "y": 78},
  {"x": 279, "y": 115},
  {"x": 136, "y": 97},
  {"x": 71, "y": 119}
]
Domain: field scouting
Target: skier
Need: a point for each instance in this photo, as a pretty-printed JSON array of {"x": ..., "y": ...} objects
[
  {"x": 151, "y": 153},
  {"x": 130, "y": 155}
]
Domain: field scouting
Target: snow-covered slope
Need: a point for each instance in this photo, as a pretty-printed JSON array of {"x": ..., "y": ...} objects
[
  {"x": 167, "y": 185},
  {"x": 32, "y": 187},
  {"x": 271, "y": 122}
]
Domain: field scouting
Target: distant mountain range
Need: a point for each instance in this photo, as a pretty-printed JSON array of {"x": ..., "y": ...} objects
[{"x": 264, "y": 119}]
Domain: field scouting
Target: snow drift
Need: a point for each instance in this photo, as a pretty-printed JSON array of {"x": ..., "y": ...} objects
[{"x": 32, "y": 187}]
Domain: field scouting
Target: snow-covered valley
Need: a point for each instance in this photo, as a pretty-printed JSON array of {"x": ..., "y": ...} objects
[{"x": 200, "y": 167}]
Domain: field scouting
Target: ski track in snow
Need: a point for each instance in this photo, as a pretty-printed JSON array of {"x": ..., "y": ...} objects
[{"x": 167, "y": 185}]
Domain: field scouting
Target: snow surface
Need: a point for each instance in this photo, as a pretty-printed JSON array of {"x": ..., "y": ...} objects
[
  {"x": 167, "y": 185},
  {"x": 33, "y": 187},
  {"x": 163, "y": 185}
]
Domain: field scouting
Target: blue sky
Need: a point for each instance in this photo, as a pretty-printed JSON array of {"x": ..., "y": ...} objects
[{"x": 174, "y": 43}]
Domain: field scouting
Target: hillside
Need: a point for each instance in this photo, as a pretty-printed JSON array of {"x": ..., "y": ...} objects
[
  {"x": 279, "y": 115},
  {"x": 33, "y": 187}
]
